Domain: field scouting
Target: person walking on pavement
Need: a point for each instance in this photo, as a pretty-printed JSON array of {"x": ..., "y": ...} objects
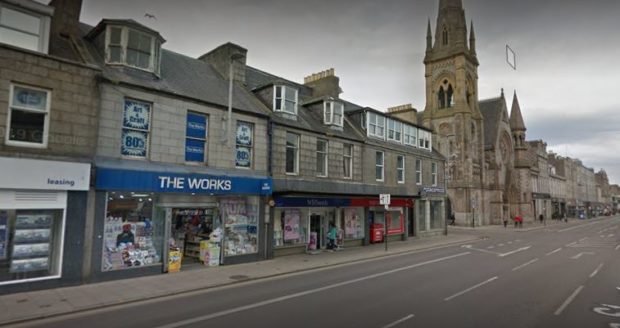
[
  {"x": 331, "y": 237},
  {"x": 505, "y": 222},
  {"x": 452, "y": 219},
  {"x": 541, "y": 217}
]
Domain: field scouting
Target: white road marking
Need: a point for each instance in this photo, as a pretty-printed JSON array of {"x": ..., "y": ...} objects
[
  {"x": 606, "y": 307},
  {"x": 509, "y": 243},
  {"x": 568, "y": 300},
  {"x": 490, "y": 247},
  {"x": 614, "y": 325},
  {"x": 577, "y": 227},
  {"x": 610, "y": 235},
  {"x": 500, "y": 245},
  {"x": 584, "y": 238},
  {"x": 524, "y": 264},
  {"x": 470, "y": 289},
  {"x": 478, "y": 249},
  {"x": 582, "y": 253},
  {"x": 596, "y": 271},
  {"x": 515, "y": 251},
  {"x": 618, "y": 247},
  {"x": 398, "y": 321},
  {"x": 304, "y": 293},
  {"x": 554, "y": 251},
  {"x": 571, "y": 244}
]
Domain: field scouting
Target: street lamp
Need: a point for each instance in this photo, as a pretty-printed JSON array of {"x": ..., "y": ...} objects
[{"x": 233, "y": 57}]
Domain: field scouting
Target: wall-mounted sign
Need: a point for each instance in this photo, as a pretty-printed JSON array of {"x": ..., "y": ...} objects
[
  {"x": 433, "y": 191},
  {"x": 136, "y": 115},
  {"x": 21, "y": 173},
  {"x": 194, "y": 150},
  {"x": 134, "y": 143},
  {"x": 244, "y": 134},
  {"x": 244, "y": 157},
  {"x": 196, "y": 126},
  {"x": 131, "y": 180}
]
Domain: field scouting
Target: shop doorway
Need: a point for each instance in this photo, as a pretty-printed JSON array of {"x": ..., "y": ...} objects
[
  {"x": 317, "y": 225},
  {"x": 193, "y": 233}
]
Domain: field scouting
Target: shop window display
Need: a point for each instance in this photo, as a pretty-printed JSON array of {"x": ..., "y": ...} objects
[
  {"x": 240, "y": 219},
  {"x": 422, "y": 215},
  {"x": 353, "y": 223},
  {"x": 30, "y": 244},
  {"x": 131, "y": 237},
  {"x": 194, "y": 233},
  {"x": 290, "y": 227},
  {"x": 436, "y": 214}
]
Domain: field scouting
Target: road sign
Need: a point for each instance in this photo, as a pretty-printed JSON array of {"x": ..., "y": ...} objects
[{"x": 384, "y": 199}]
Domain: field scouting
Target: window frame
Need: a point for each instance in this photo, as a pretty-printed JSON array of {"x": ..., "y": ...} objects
[
  {"x": 44, "y": 27},
  {"x": 382, "y": 165},
  {"x": 250, "y": 146},
  {"x": 394, "y": 131},
  {"x": 329, "y": 113},
  {"x": 205, "y": 140},
  {"x": 400, "y": 170},
  {"x": 148, "y": 132},
  {"x": 412, "y": 136},
  {"x": 418, "y": 171},
  {"x": 325, "y": 153},
  {"x": 376, "y": 124},
  {"x": 296, "y": 153},
  {"x": 283, "y": 99},
  {"x": 346, "y": 156},
  {"x": 46, "y": 120},
  {"x": 124, "y": 46},
  {"x": 434, "y": 174}
]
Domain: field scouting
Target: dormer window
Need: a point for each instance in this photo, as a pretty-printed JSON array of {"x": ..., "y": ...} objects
[
  {"x": 25, "y": 29},
  {"x": 376, "y": 125},
  {"x": 410, "y": 135},
  {"x": 131, "y": 47},
  {"x": 285, "y": 99},
  {"x": 333, "y": 113},
  {"x": 395, "y": 129}
]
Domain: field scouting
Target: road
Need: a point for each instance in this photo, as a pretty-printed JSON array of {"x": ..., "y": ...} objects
[{"x": 558, "y": 276}]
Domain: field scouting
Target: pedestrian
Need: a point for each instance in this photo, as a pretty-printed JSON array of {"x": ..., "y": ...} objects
[
  {"x": 565, "y": 218},
  {"x": 331, "y": 237},
  {"x": 520, "y": 221},
  {"x": 516, "y": 220},
  {"x": 541, "y": 217},
  {"x": 505, "y": 222},
  {"x": 452, "y": 219}
]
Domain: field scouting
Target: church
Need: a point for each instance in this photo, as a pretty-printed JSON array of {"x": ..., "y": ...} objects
[{"x": 488, "y": 171}]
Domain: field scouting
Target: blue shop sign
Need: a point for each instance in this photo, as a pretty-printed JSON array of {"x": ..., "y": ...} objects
[
  {"x": 312, "y": 202},
  {"x": 130, "y": 180},
  {"x": 196, "y": 126}
]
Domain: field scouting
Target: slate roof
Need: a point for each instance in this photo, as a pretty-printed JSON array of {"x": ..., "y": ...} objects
[
  {"x": 183, "y": 76},
  {"x": 491, "y": 110}
]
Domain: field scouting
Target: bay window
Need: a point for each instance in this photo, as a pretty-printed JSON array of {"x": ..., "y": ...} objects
[{"x": 285, "y": 99}]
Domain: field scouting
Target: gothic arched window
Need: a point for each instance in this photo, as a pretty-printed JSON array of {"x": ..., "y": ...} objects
[
  {"x": 441, "y": 97},
  {"x": 449, "y": 96},
  {"x": 444, "y": 36}
]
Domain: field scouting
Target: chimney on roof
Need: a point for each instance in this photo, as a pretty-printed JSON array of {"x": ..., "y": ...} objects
[
  {"x": 223, "y": 56},
  {"x": 66, "y": 19},
  {"x": 324, "y": 83},
  {"x": 404, "y": 112}
]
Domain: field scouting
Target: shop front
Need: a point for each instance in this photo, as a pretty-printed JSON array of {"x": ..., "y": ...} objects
[
  {"x": 302, "y": 223},
  {"x": 431, "y": 211},
  {"x": 154, "y": 221},
  {"x": 42, "y": 218}
]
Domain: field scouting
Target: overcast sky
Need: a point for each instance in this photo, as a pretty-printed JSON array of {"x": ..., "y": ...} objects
[{"x": 568, "y": 52}]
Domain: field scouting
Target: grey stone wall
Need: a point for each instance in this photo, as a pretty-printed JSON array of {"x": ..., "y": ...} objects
[
  {"x": 74, "y": 102},
  {"x": 168, "y": 125}
]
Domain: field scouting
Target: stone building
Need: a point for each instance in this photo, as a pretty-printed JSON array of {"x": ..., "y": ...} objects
[
  {"x": 488, "y": 168},
  {"x": 603, "y": 192},
  {"x": 541, "y": 181},
  {"x": 557, "y": 187},
  {"x": 49, "y": 106}
]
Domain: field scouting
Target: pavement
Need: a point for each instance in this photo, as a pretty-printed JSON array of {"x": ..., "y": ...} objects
[{"x": 20, "y": 307}]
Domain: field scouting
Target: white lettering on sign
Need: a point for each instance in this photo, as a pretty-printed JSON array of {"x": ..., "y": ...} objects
[{"x": 166, "y": 182}]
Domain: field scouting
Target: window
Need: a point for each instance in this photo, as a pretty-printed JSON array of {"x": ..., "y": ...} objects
[
  {"x": 449, "y": 96},
  {"x": 445, "y": 95},
  {"x": 244, "y": 143},
  {"x": 24, "y": 30},
  {"x": 400, "y": 168},
  {"x": 132, "y": 48},
  {"x": 424, "y": 139},
  {"x": 395, "y": 130},
  {"x": 28, "y": 117},
  {"x": 333, "y": 112},
  {"x": 196, "y": 137},
  {"x": 347, "y": 161},
  {"x": 410, "y": 135},
  {"x": 321, "y": 157},
  {"x": 376, "y": 125},
  {"x": 292, "y": 153},
  {"x": 418, "y": 171},
  {"x": 441, "y": 98},
  {"x": 434, "y": 173},
  {"x": 379, "y": 163},
  {"x": 136, "y": 125},
  {"x": 285, "y": 99},
  {"x": 444, "y": 36}
]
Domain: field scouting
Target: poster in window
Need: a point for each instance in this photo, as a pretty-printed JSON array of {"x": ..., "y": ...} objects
[
  {"x": 4, "y": 234},
  {"x": 29, "y": 98},
  {"x": 30, "y": 250},
  {"x": 31, "y": 221},
  {"x": 351, "y": 222},
  {"x": 134, "y": 143},
  {"x": 244, "y": 157},
  {"x": 194, "y": 150},
  {"x": 136, "y": 115},
  {"x": 196, "y": 126},
  {"x": 38, "y": 264},
  {"x": 244, "y": 134},
  {"x": 31, "y": 236},
  {"x": 291, "y": 225}
]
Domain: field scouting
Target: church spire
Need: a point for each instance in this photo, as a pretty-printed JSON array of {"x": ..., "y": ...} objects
[
  {"x": 429, "y": 37},
  {"x": 450, "y": 32},
  {"x": 472, "y": 39},
  {"x": 516, "y": 119}
]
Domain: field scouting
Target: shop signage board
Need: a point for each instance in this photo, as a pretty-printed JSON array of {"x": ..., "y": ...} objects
[
  {"x": 21, "y": 173},
  {"x": 136, "y": 123},
  {"x": 338, "y": 202},
  {"x": 433, "y": 191},
  {"x": 132, "y": 180}
]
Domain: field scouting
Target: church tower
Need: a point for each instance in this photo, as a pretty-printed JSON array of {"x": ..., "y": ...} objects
[
  {"x": 452, "y": 109},
  {"x": 521, "y": 162}
]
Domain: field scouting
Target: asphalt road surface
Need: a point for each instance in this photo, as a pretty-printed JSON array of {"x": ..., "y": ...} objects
[{"x": 559, "y": 276}]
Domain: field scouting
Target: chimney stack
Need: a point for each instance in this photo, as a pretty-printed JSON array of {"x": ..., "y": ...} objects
[
  {"x": 324, "y": 83},
  {"x": 221, "y": 57},
  {"x": 66, "y": 19},
  {"x": 404, "y": 112}
]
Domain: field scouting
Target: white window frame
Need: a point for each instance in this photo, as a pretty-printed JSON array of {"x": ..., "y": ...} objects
[
  {"x": 284, "y": 90},
  {"x": 46, "y": 121},
  {"x": 154, "y": 53},
  {"x": 395, "y": 128},
  {"x": 376, "y": 124},
  {"x": 400, "y": 171},
  {"x": 434, "y": 174},
  {"x": 382, "y": 166},
  {"x": 346, "y": 156},
  {"x": 325, "y": 158},
  {"x": 410, "y": 134},
  {"x": 330, "y": 115},
  {"x": 44, "y": 27},
  {"x": 418, "y": 171},
  {"x": 296, "y": 149}
]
